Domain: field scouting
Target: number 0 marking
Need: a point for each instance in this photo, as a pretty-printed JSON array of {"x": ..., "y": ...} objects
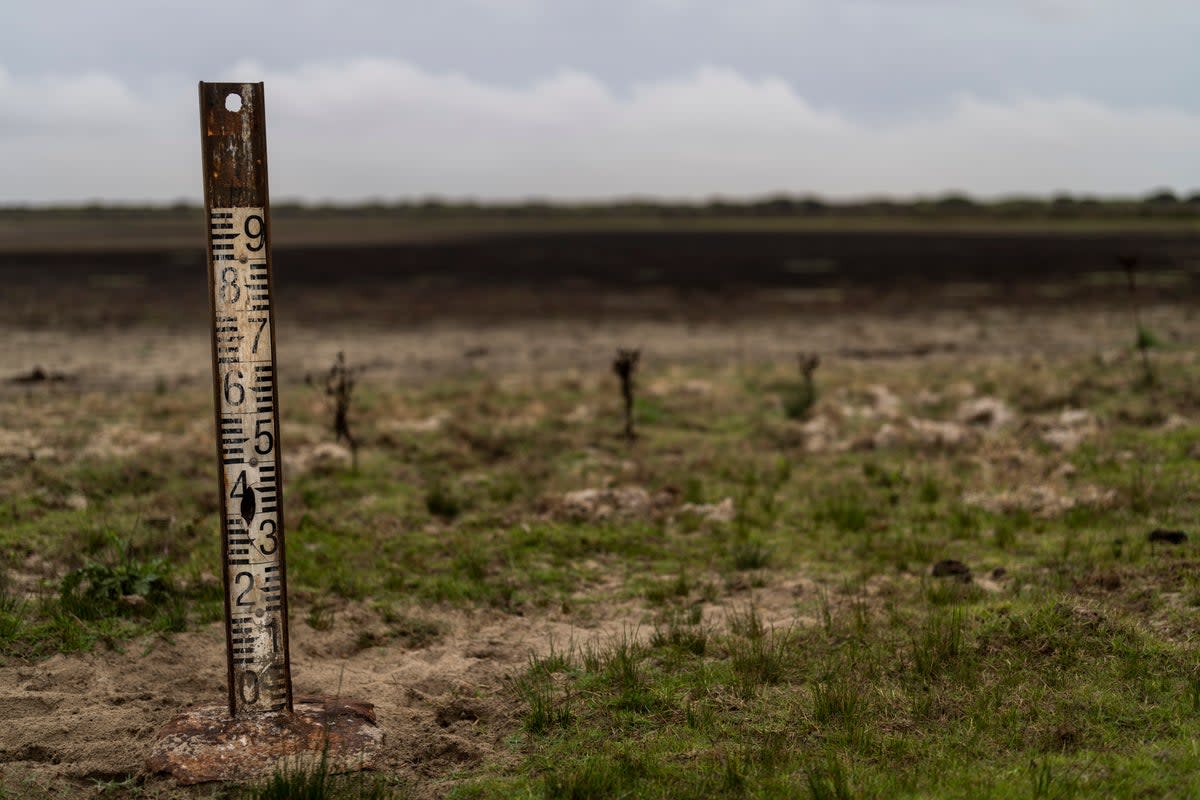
[{"x": 248, "y": 686}]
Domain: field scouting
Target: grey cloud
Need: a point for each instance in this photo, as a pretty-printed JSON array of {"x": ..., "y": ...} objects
[{"x": 386, "y": 128}]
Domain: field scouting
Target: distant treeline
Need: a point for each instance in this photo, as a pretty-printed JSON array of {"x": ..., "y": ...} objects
[{"x": 1161, "y": 204}]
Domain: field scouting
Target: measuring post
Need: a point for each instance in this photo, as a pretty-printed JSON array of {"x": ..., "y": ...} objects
[
  {"x": 261, "y": 725},
  {"x": 234, "y": 141}
]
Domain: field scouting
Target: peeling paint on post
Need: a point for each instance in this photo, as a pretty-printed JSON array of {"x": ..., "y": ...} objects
[{"x": 233, "y": 133}]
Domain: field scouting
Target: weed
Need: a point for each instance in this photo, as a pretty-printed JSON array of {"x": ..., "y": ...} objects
[
  {"x": 837, "y": 700},
  {"x": 441, "y": 501},
  {"x": 339, "y": 387},
  {"x": 413, "y": 631},
  {"x": 1144, "y": 340},
  {"x": 758, "y": 655},
  {"x": 929, "y": 491},
  {"x": 546, "y": 711},
  {"x": 799, "y": 398},
  {"x": 845, "y": 508},
  {"x": 751, "y": 554},
  {"x": 660, "y": 592},
  {"x": 682, "y": 632},
  {"x": 828, "y": 781},
  {"x": 950, "y": 591},
  {"x": 937, "y": 648},
  {"x": 318, "y": 781},
  {"x": 625, "y": 366},
  {"x": 554, "y": 661},
  {"x": 127, "y": 587},
  {"x": 596, "y": 777},
  {"x": 320, "y": 617}
]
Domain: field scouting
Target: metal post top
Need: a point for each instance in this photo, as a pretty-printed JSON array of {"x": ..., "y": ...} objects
[{"x": 234, "y": 134}]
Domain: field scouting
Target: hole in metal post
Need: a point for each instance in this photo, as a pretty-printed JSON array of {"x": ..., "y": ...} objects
[{"x": 233, "y": 102}]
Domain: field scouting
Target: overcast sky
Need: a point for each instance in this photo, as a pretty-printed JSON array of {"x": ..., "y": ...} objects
[{"x": 581, "y": 99}]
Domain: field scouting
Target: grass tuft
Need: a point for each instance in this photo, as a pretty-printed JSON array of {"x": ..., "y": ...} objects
[{"x": 318, "y": 781}]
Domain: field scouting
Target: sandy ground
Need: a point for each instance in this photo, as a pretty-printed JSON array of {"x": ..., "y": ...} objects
[{"x": 76, "y": 720}]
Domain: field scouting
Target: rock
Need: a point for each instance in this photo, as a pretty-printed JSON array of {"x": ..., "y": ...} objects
[
  {"x": 820, "y": 434},
  {"x": 329, "y": 455},
  {"x": 961, "y": 389},
  {"x": 1175, "y": 422},
  {"x": 1068, "y": 430},
  {"x": 927, "y": 398},
  {"x": 712, "y": 512},
  {"x": 134, "y": 601},
  {"x": 990, "y": 413},
  {"x": 430, "y": 424},
  {"x": 950, "y": 568},
  {"x": 599, "y": 504},
  {"x": 934, "y": 433},
  {"x": 1064, "y": 471},
  {"x": 1041, "y": 499},
  {"x": 884, "y": 402},
  {"x": 887, "y": 436},
  {"x": 1166, "y": 536},
  {"x": 579, "y": 415}
]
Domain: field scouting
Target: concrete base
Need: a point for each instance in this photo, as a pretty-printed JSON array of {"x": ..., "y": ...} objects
[{"x": 205, "y": 744}]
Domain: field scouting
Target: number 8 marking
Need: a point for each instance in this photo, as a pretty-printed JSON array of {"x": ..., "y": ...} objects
[{"x": 231, "y": 292}]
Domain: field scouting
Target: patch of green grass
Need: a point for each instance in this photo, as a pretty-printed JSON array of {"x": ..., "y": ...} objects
[
  {"x": 413, "y": 630},
  {"x": 113, "y": 598},
  {"x": 320, "y": 781},
  {"x": 442, "y": 501},
  {"x": 985, "y": 693},
  {"x": 846, "y": 508},
  {"x": 750, "y": 554}
]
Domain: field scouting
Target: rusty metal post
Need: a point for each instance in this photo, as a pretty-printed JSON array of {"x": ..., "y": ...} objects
[
  {"x": 234, "y": 144},
  {"x": 260, "y": 728}
]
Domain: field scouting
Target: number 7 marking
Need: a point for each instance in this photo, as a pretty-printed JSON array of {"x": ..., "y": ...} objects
[{"x": 262, "y": 325}]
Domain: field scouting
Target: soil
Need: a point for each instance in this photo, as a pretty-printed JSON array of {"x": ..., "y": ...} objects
[
  {"x": 515, "y": 305},
  {"x": 94, "y": 717}
]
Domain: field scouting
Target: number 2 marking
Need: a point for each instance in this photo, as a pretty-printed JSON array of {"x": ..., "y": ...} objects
[{"x": 241, "y": 598}]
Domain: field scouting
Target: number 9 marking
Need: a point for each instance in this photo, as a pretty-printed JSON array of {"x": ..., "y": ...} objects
[{"x": 256, "y": 234}]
